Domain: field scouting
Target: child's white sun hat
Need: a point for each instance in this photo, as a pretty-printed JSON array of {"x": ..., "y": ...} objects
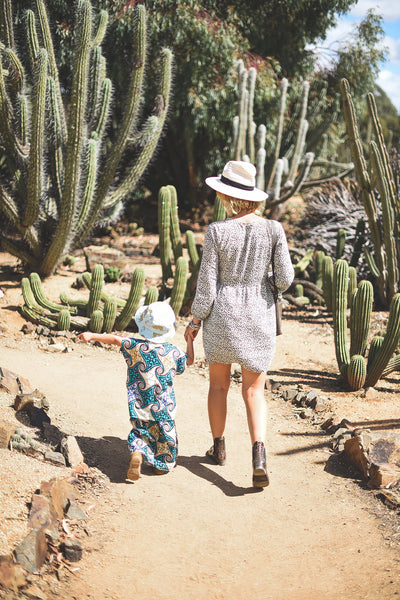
[
  {"x": 238, "y": 180},
  {"x": 156, "y": 322}
]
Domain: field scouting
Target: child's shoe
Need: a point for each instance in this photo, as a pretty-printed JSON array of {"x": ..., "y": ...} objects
[{"x": 135, "y": 463}]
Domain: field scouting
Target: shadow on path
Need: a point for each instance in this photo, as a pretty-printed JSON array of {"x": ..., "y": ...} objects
[{"x": 198, "y": 466}]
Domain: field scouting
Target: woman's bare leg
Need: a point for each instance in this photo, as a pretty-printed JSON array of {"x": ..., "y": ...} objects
[
  {"x": 220, "y": 378},
  {"x": 253, "y": 395}
]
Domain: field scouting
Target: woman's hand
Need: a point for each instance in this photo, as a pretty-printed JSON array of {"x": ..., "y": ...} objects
[
  {"x": 192, "y": 329},
  {"x": 190, "y": 333}
]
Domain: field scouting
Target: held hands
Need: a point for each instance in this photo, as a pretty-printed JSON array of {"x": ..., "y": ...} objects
[{"x": 192, "y": 330}]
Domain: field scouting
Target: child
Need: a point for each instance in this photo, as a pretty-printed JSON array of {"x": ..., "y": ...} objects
[{"x": 152, "y": 364}]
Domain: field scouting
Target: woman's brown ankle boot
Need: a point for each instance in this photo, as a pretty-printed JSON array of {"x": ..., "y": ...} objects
[
  {"x": 217, "y": 451},
  {"x": 260, "y": 475}
]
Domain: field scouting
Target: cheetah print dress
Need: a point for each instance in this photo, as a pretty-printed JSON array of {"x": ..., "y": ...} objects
[{"x": 233, "y": 296}]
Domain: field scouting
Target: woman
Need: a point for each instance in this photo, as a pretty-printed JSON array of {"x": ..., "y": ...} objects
[{"x": 234, "y": 301}]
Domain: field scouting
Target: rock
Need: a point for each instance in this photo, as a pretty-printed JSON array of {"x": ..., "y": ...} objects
[
  {"x": 71, "y": 451},
  {"x": 11, "y": 575},
  {"x": 60, "y": 493},
  {"x": 56, "y": 458},
  {"x": 72, "y": 550},
  {"x": 26, "y": 401},
  {"x": 42, "y": 330},
  {"x": 391, "y": 498},
  {"x": 290, "y": 394},
  {"x": 28, "y": 327},
  {"x": 383, "y": 475},
  {"x": 31, "y": 553},
  {"x": 42, "y": 512},
  {"x": 7, "y": 429},
  {"x": 35, "y": 593},
  {"x": 52, "y": 434},
  {"x": 74, "y": 511},
  {"x": 356, "y": 454}
]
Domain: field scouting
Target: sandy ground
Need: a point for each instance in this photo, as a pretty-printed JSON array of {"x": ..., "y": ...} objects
[{"x": 202, "y": 532}]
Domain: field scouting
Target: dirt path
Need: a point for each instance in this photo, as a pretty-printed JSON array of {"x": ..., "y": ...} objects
[{"x": 202, "y": 532}]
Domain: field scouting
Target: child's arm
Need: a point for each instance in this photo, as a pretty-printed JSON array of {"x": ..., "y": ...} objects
[
  {"x": 106, "y": 338},
  {"x": 189, "y": 350}
]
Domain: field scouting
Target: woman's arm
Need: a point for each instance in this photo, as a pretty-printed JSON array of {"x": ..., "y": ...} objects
[
  {"x": 106, "y": 338},
  {"x": 283, "y": 267},
  {"x": 206, "y": 288}
]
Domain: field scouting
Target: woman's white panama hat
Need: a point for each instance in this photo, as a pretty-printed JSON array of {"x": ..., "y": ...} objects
[
  {"x": 156, "y": 322},
  {"x": 238, "y": 180}
]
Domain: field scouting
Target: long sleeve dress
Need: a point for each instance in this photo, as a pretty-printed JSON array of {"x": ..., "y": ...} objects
[{"x": 233, "y": 296}]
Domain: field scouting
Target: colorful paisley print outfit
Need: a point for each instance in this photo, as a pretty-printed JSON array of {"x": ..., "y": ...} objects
[
  {"x": 151, "y": 399},
  {"x": 233, "y": 295}
]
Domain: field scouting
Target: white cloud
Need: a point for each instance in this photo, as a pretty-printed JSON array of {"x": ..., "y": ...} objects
[
  {"x": 394, "y": 50},
  {"x": 390, "y": 83},
  {"x": 389, "y": 9}
]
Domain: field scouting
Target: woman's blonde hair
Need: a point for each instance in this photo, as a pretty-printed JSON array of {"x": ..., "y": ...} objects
[{"x": 233, "y": 206}]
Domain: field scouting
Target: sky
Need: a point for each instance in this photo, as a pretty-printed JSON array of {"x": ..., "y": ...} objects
[{"x": 389, "y": 76}]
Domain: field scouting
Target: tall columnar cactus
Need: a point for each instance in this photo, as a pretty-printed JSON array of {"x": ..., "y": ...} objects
[
  {"x": 179, "y": 287},
  {"x": 95, "y": 289},
  {"x": 58, "y": 178},
  {"x": 288, "y": 164},
  {"x": 352, "y": 364},
  {"x": 384, "y": 261},
  {"x": 164, "y": 231},
  {"x": 132, "y": 303}
]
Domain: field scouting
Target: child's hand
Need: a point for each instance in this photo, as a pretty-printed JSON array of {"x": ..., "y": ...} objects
[{"x": 86, "y": 336}]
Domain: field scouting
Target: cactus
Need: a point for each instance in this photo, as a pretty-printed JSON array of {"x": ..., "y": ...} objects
[
  {"x": 55, "y": 185},
  {"x": 95, "y": 289},
  {"x": 40, "y": 296},
  {"x": 289, "y": 164},
  {"x": 133, "y": 300},
  {"x": 352, "y": 285},
  {"x": 319, "y": 261},
  {"x": 352, "y": 365},
  {"x": 304, "y": 262},
  {"x": 389, "y": 344},
  {"x": 175, "y": 230},
  {"x": 340, "y": 243},
  {"x": 219, "y": 213},
  {"x": 339, "y": 298},
  {"x": 109, "y": 314},
  {"x": 356, "y": 372},
  {"x": 112, "y": 274},
  {"x": 179, "y": 287},
  {"x": 64, "y": 320},
  {"x": 360, "y": 317},
  {"x": 151, "y": 295},
  {"x": 383, "y": 262},
  {"x": 327, "y": 276},
  {"x": 96, "y": 321},
  {"x": 164, "y": 226}
]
